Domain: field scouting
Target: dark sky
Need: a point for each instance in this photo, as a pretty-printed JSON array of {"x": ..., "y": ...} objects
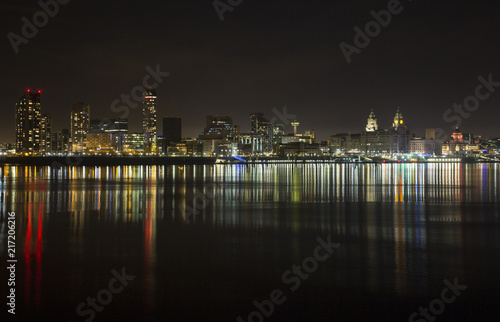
[{"x": 264, "y": 55}]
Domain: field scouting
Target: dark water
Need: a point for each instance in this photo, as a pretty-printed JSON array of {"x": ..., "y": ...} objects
[{"x": 204, "y": 242}]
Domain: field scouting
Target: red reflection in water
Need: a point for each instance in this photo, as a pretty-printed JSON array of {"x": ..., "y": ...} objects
[
  {"x": 27, "y": 255},
  {"x": 38, "y": 250},
  {"x": 28, "y": 247},
  {"x": 148, "y": 255}
]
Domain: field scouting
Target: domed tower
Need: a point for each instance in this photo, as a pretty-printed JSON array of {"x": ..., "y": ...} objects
[
  {"x": 457, "y": 136},
  {"x": 400, "y": 134},
  {"x": 398, "y": 119},
  {"x": 371, "y": 125}
]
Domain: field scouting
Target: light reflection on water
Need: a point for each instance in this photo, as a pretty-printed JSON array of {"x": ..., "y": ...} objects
[
  {"x": 368, "y": 205},
  {"x": 122, "y": 191}
]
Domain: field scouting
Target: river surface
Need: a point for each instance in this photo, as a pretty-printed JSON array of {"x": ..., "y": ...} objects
[{"x": 214, "y": 242}]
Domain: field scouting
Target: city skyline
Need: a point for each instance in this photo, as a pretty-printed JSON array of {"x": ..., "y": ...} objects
[
  {"x": 426, "y": 60},
  {"x": 150, "y": 100},
  {"x": 221, "y": 137}
]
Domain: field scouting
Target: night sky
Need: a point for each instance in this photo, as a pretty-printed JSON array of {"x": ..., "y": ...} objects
[{"x": 264, "y": 55}]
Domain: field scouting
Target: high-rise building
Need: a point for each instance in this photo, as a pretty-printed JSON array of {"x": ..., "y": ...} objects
[
  {"x": 28, "y": 117},
  {"x": 45, "y": 134},
  {"x": 149, "y": 120},
  {"x": 172, "y": 130},
  {"x": 80, "y": 126},
  {"x": 278, "y": 133},
  {"x": 262, "y": 126}
]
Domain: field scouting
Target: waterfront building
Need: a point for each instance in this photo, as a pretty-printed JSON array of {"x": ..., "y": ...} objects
[
  {"x": 177, "y": 149},
  {"x": 300, "y": 149},
  {"x": 194, "y": 147},
  {"x": 278, "y": 133},
  {"x": 133, "y": 143},
  {"x": 149, "y": 121},
  {"x": 376, "y": 143},
  {"x": 28, "y": 118},
  {"x": 400, "y": 135},
  {"x": 371, "y": 124},
  {"x": 80, "y": 126},
  {"x": 118, "y": 127},
  {"x": 45, "y": 134},
  {"x": 263, "y": 127},
  {"x": 61, "y": 141},
  {"x": 459, "y": 146},
  {"x": 425, "y": 146},
  {"x": 251, "y": 144},
  {"x": 345, "y": 143},
  {"x": 100, "y": 142},
  {"x": 220, "y": 128}
]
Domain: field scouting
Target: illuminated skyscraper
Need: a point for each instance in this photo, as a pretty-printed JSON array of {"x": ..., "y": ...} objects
[
  {"x": 149, "y": 120},
  {"x": 45, "y": 134},
  {"x": 28, "y": 119},
  {"x": 80, "y": 126}
]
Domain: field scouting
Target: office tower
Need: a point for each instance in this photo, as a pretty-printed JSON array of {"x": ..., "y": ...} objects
[
  {"x": 172, "y": 130},
  {"x": 371, "y": 125},
  {"x": 61, "y": 142},
  {"x": 278, "y": 133},
  {"x": 109, "y": 125},
  {"x": 262, "y": 126},
  {"x": 116, "y": 127},
  {"x": 133, "y": 142},
  {"x": 80, "y": 126},
  {"x": 45, "y": 134},
  {"x": 99, "y": 142},
  {"x": 28, "y": 117},
  {"x": 149, "y": 120}
]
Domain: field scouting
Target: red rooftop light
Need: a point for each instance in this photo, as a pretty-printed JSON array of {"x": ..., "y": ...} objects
[
  {"x": 39, "y": 91},
  {"x": 29, "y": 90}
]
